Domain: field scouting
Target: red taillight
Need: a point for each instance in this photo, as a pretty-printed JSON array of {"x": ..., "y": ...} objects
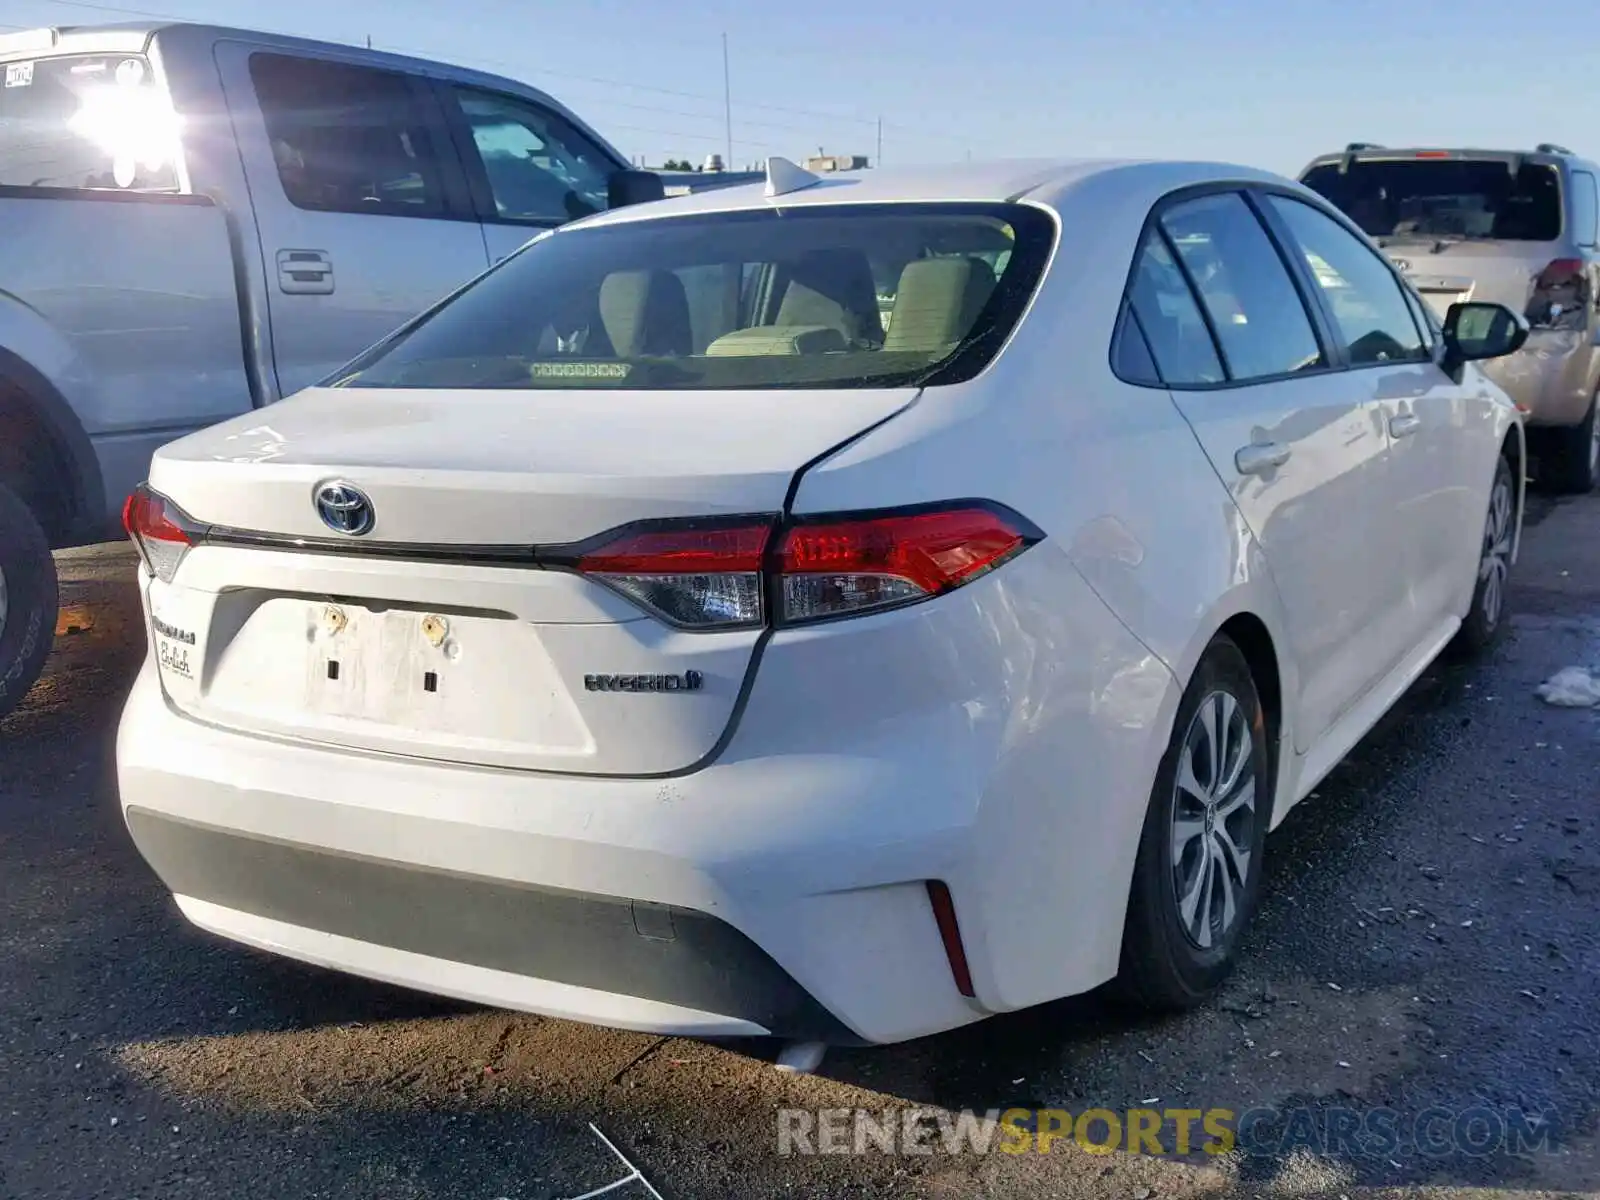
[
  {"x": 160, "y": 530},
  {"x": 834, "y": 568},
  {"x": 1560, "y": 298},
  {"x": 713, "y": 575},
  {"x": 1433, "y": 154},
  {"x": 696, "y": 575}
]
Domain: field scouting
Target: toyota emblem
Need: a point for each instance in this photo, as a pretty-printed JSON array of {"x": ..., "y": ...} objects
[{"x": 344, "y": 508}]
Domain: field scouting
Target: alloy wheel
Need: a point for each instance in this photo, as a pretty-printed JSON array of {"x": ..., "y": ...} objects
[
  {"x": 1213, "y": 820},
  {"x": 1495, "y": 566}
]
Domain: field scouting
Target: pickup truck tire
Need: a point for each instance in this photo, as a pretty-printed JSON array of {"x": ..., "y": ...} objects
[
  {"x": 1571, "y": 462},
  {"x": 28, "y": 599}
]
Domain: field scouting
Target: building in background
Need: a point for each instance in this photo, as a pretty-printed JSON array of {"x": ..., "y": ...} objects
[{"x": 821, "y": 162}]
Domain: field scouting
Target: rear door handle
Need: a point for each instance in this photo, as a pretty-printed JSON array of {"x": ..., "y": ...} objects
[
  {"x": 1260, "y": 457},
  {"x": 1404, "y": 425},
  {"x": 305, "y": 272}
]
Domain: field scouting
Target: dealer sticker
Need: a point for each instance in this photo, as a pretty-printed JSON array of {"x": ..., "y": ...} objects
[
  {"x": 19, "y": 74},
  {"x": 175, "y": 648}
]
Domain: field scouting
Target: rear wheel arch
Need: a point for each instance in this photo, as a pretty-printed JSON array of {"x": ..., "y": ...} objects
[
  {"x": 1514, "y": 449},
  {"x": 1250, "y": 634},
  {"x": 46, "y": 457}
]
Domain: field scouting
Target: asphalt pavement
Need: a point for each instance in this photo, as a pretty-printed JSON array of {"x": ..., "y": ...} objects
[{"x": 1417, "y": 1010}]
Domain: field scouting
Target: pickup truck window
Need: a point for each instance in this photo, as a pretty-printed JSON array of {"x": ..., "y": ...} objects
[
  {"x": 538, "y": 168},
  {"x": 87, "y": 121},
  {"x": 347, "y": 139}
]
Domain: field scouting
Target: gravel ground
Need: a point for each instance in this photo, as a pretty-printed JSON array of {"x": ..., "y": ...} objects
[{"x": 1428, "y": 943}]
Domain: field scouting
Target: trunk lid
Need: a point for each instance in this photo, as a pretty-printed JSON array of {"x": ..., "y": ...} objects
[{"x": 433, "y": 634}]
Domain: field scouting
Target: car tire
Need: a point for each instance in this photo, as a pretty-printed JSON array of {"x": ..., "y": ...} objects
[
  {"x": 28, "y": 600},
  {"x": 1571, "y": 462},
  {"x": 1486, "y": 619},
  {"x": 1179, "y": 941}
]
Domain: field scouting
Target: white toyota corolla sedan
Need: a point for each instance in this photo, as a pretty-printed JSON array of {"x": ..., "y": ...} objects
[{"x": 841, "y": 609}]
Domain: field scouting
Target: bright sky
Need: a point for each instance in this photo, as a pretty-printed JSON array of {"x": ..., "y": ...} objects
[{"x": 1264, "y": 82}]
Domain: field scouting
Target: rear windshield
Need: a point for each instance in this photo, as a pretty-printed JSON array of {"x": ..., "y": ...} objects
[
  {"x": 811, "y": 297},
  {"x": 86, "y": 121},
  {"x": 1464, "y": 198}
]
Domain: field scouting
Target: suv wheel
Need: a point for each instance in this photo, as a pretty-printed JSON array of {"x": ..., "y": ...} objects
[
  {"x": 1572, "y": 460},
  {"x": 28, "y": 599}
]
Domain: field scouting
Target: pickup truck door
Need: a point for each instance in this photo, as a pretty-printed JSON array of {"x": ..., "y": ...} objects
[
  {"x": 528, "y": 167},
  {"x": 360, "y": 204}
]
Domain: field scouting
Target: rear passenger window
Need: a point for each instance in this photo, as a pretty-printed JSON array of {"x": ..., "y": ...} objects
[
  {"x": 347, "y": 139},
  {"x": 1368, "y": 304},
  {"x": 1245, "y": 287},
  {"x": 1173, "y": 325},
  {"x": 1585, "y": 209}
]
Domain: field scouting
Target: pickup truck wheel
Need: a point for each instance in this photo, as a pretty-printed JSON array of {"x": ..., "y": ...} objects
[
  {"x": 1572, "y": 460},
  {"x": 28, "y": 599}
]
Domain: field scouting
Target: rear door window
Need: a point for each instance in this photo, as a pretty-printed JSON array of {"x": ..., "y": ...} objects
[
  {"x": 1258, "y": 316},
  {"x": 87, "y": 121},
  {"x": 349, "y": 139},
  {"x": 1444, "y": 197},
  {"x": 1171, "y": 320}
]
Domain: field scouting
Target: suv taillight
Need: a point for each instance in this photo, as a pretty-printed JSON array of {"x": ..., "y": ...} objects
[
  {"x": 708, "y": 575},
  {"x": 1561, "y": 296},
  {"x": 161, "y": 531}
]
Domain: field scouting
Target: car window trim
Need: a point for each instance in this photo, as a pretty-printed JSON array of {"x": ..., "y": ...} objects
[
  {"x": 453, "y": 191},
  {"x": 482, "y": 201},
  {"x": 1338, "y": 361},
  {"x": 1199, "y": 303},
  {"x": 1323, "y": 303}
]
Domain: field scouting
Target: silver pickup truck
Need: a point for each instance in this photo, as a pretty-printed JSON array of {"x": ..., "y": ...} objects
[{"x": 197, "y": 221}]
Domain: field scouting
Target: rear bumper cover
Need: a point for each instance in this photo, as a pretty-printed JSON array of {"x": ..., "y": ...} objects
[
  {"x": 1553, "y": 377},
  {"x": 731, "y": 902}
]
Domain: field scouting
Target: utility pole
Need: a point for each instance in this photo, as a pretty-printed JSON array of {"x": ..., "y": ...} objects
[
  {"x": 879, "y": 159},
  {"x": 369, "y": 41},
  {"x": 727, "y": 101}
]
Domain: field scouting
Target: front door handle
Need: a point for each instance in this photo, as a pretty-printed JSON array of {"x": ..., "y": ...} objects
[
  {"x": 305, "y": 272},
  {"x": 1404, "y": 425},
  {"x": 1260, "y": 457}
]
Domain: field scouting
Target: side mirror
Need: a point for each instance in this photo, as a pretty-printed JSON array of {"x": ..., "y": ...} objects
[
  {"x": 1477, "y": 330},
  {"x": 633, "y": 187}
]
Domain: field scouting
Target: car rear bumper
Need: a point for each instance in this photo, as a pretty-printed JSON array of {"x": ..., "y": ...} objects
[
  {"x": 1000, "y": 740},
  {"x": 643, "y": 904},
  {"x": 1552, "y": 378}
]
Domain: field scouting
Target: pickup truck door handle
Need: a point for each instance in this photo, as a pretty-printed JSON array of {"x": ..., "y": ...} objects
[
  {"x": 305, "y": 272},
  {"x": 1404, "y": 425},
  {"x": 1260, "y": 457}
]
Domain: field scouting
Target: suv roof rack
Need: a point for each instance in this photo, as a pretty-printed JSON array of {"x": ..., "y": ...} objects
[
  {"x": 1353, "y": 147},
  {"x": 1551, "y": 148}
]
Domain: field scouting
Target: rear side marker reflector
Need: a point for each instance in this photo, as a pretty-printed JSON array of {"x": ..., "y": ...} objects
[
  {"x": 944, "y": 915},
  {"x": 708, "y": 576}
]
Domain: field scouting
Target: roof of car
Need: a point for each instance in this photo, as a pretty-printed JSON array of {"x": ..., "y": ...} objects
[{"x": 984, "y": 182}]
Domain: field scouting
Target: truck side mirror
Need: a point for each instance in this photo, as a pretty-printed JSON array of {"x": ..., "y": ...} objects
[{"x": 633, "y": 187}]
